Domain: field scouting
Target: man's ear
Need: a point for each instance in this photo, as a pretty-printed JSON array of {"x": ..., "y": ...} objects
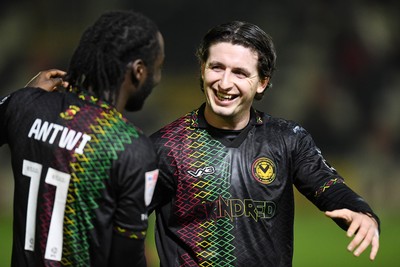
[
  {"x": 202, "y": 70},
  {"x": 263, "y": 85},
  {"x": 138, "y": 71}
]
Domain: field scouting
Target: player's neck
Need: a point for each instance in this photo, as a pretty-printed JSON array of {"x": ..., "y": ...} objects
[{"x": 226, "y": 122}]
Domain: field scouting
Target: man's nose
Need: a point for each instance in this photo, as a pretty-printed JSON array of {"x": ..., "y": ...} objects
[{"x": 226, "y": 80}]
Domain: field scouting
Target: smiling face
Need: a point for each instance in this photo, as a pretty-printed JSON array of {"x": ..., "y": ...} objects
[{"x": 230, "y": 81}]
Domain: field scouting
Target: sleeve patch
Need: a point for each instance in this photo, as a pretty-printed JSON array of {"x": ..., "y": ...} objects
[
  {"x": 328, "y": 185},
  {"x": 151, "y": 180}
]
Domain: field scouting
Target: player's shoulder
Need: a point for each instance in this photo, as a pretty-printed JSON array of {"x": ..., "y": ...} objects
[
  {"x": 25, "y": 99},
  {"x": 140, "y": 149},
  {"x": 282, "y": 125},
  {"x": 136, "y": 134},
  {"x": 25, "y": 93},
  {"x": 141, "y": 140},
  {"x": 176, "y": 127},
  {"x": 29, "y": 95}
]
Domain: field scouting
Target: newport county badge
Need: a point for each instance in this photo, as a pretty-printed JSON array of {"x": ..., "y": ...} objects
[
  {"x": 70, "y": 112},
  {"x": 264, "y": 170}
]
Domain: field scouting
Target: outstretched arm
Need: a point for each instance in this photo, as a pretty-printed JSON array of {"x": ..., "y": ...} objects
[
  {"x": 362, "y": 227},
  {"x": 48, "y": 80}
]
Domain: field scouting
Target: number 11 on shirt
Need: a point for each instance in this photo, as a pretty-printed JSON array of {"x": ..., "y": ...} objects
[{"x": 55, "y": 235}]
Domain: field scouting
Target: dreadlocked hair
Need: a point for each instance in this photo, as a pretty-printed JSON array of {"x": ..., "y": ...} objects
[{"x": 105, "y": 49}]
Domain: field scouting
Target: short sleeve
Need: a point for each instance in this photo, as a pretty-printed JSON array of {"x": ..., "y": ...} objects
[
  {"x": 135, "y": 176},
  {"x": 166, "y": 183}
]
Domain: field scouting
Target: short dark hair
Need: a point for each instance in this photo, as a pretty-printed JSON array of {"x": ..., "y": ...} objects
[
  {"x": 115, "y": 39},
  {"x": 246, "y": 34}
]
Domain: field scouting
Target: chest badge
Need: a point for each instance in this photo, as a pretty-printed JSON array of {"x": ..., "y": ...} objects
[{"x": 264, "y": 170}]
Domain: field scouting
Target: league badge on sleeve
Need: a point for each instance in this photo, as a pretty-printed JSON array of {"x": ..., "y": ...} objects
[{"x": 151, "y": 180}]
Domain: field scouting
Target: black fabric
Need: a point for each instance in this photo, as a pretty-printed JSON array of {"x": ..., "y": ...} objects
[
  {"x": 89, "y": 160},
  {"x": 233, "y": 205},
  {"x": 123, "y": 247}
]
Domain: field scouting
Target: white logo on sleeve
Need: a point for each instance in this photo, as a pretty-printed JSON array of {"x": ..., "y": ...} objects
[
  {"x": 151, "y": 180},
  {"x": 4, "y": 99}
]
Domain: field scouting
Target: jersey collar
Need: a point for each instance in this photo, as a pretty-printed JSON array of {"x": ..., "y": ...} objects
[
  {"x": 88, "y": 97},
  {"x": 197, "y": 119}
]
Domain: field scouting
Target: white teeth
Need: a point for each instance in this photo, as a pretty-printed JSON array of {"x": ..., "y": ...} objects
[{"x": 222, "y": 96}]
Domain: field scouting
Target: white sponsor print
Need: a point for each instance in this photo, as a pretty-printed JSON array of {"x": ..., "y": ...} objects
[
  {"x": 298, "y": 129},
  {"x": 200, "y": 172}
]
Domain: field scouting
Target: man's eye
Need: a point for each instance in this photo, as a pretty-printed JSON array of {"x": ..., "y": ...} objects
[
  {"x": 240, "y": 75},
  {"x": 216, "y": 68}
]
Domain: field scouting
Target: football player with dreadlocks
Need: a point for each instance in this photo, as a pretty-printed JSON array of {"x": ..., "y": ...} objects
[{"x": 84, "y": 176}]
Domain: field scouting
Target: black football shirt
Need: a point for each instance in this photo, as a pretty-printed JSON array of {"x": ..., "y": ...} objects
[
  {"x": 82, "y": 173},
  {"x": 226, "y": 199}
]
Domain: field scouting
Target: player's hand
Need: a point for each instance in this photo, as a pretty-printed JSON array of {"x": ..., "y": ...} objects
[
  {"x": 362, "y": 227},
  {"x": 48, "y": 80}
]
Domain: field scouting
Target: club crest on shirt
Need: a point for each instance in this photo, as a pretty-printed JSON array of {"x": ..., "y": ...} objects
[
  {"x": 70, "y": 112},
  {"x": 263, "y": 170}
]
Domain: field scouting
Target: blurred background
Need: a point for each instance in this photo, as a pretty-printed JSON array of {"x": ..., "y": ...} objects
[{"x": 338, "y": 75}]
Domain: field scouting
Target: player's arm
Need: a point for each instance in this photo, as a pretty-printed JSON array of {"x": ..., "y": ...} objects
[
  {"x": 48, "y": 80},
  {"x": 352, "y": 213},
  {"x": 166, "y": 185},
  {"x": 134, "y": 177},
  {"x": 363, "y": 227},
  {"x": 324, "y": 187}
]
